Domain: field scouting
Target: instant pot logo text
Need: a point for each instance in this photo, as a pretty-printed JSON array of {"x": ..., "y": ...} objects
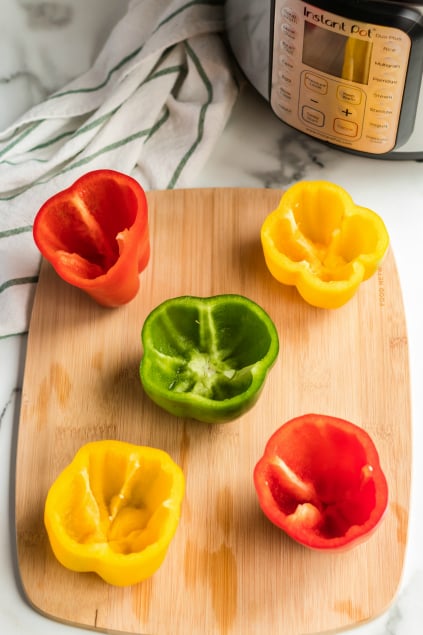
[{"x": 336, "y": 25}]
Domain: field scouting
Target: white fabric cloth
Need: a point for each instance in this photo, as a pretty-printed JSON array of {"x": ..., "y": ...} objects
[{"x": 153, "y": 104}]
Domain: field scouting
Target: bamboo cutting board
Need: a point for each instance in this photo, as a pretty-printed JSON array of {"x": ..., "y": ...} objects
[{"x": 229, "y": 571}]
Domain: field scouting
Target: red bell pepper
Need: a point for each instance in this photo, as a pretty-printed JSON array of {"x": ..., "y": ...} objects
[
  {"x": 95, "y": 234},
  {"x": 320, "y": 480}
]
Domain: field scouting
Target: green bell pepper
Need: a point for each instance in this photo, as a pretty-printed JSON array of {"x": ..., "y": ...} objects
[{"x": 207, "y": 358}]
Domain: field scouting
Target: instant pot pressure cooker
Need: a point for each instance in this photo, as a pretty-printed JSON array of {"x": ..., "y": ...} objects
[{"x": 348, "y": 73}]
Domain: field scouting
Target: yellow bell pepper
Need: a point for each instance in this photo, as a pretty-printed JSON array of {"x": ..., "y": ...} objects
[
  {"x": 320, "y": 241},
  {"x": 114, "y": 510}
]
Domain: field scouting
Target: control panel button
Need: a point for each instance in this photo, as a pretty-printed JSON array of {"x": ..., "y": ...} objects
[
  {"x": 287, "y": 78},
  {"x": 284, "y": 93},
  {"x": 345, "y": 128},
  {"x": 285, "y": 64},
  {"x": 284, "y": 109},
  {"x": 378, "y": 125},
  {"x": 381, "y": 111},
  {"x": 390, "y": 63},
  {"x": 313, "y": 116},
  {"x": 383, "y": 96},
  {"x": 349, "y": 95},
  {"x": 392, "y": 48},
  {"x": 287, "y": 47},
  {"x": 290, "y": 15},
  {"x": 349, "y": 112},
  {"x": 289, "y": 31},
  {"x": 316, "y": 83},
  {"x": 380, "y": 140}
]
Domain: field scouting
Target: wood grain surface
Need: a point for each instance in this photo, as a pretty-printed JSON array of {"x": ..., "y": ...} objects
[{"x": 229, "y": 571}]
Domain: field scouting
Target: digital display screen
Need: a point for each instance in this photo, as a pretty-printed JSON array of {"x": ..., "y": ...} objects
[{"x": 336, "y": 54}]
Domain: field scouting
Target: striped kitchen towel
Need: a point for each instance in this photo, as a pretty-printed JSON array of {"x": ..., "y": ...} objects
[{"x": 152, "y": 105}]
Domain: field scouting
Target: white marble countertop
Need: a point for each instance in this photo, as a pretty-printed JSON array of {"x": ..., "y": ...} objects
[{"x": 255, "y": 150}]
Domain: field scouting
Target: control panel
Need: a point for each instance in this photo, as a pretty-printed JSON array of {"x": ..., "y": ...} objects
[{"x": 338, "y": 79}]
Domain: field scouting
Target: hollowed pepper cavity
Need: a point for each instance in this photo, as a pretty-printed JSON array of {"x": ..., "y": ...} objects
[
  {"x": 207, "y": 358},
  {"x": 320, "y": 480},
  {"x": 320, "y": 241},
  {"x": 114, "y": 510},
  {"x": 96, "y": 235}
]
